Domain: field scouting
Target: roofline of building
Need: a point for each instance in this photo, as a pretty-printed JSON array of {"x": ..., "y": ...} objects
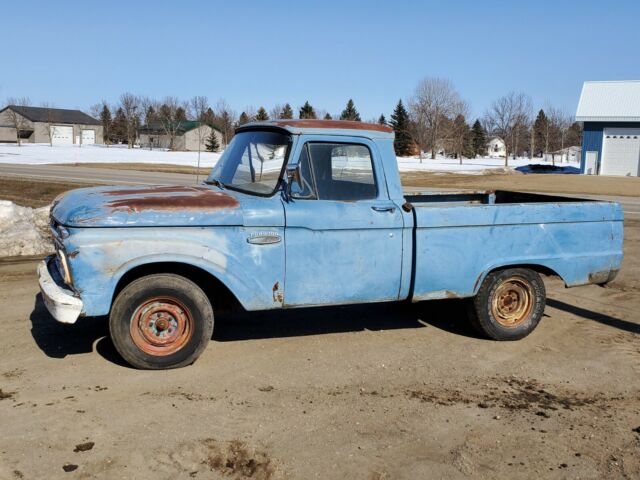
[
  {"x": 25, "y": 115},
  {"x": 607, "y": 119},
  {"x": 611, "y": 81},
  {"x": 161, "y": 130}
]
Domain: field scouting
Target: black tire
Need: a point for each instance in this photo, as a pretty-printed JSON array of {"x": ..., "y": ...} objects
[
  {"x": 161, "y": 321},
  {"x": 509, "y": 304}
]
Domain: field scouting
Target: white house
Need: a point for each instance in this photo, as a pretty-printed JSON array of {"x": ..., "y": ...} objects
[{"x": 496, "y": 147}]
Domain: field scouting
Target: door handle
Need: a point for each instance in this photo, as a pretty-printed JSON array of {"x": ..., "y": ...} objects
[{"x": 383, "y": 209}]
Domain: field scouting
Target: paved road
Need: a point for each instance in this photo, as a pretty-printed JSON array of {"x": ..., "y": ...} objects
[{"x": 71, "y": 173}]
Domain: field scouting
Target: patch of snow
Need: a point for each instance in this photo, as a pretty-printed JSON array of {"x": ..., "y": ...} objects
[
  {"x": 23, "y": 230},
  {"x": 471, "y": 166},
  {"x": 34, "y": 154},
  {"x": 38, "y": 153}
]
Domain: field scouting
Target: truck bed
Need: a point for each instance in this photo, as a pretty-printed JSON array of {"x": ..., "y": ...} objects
[{"x": 460, "y": 237}]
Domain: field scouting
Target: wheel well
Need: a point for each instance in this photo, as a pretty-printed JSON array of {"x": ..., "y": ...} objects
[
  {"x": 531, "y": 266},
  {"x": 214, "y": 289}
]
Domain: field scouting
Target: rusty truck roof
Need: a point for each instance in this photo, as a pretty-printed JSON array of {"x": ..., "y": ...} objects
[{"x": 326, "y": 127}]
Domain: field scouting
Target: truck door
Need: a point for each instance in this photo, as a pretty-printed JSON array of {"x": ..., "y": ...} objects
[{"x": 343, "y": 237}]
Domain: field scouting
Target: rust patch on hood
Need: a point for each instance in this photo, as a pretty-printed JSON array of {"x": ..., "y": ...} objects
[
  {"x": 152, "y": 189},
  {"x": 181, "y": 198}
]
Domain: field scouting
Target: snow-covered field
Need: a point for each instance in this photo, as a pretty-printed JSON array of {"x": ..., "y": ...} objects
[{"x": 40, "y": 154}]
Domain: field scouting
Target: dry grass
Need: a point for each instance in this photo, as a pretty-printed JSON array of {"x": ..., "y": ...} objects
[
  {"x": 35, "y": 194},
  {"x": 552, "y": 183},
  {"x": 149, "y": 167}
]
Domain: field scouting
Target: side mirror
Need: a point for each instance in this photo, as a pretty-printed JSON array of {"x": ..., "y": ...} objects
[{"x": 293, "y": 175}]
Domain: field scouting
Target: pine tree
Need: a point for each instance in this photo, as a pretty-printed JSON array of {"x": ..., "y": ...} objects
[
  {"x": 307, "y": 112},
  {"x": 107, "y": 121},
  {"x": 119, "y": 127},
  {"x": 150, "y": 115},
  {"x": 212, "y": 144},
  {"x": 461, "y": 138},
  {"x": 209, "y": 117},
  {"x": 403, "y": 144},
  {"x": 287, "y": 112},
  {"x": 382, "y": 120},
  {"x": 350, "y": 112},
  {"x": 328, "y": 116},
  {"x": 262, "y": 115},
  {"x": 541, "y": 133},
  {"x": 181, "y": 115},
  {"x": 244, "y": 118},
  {"x": 478, "y": 139}
]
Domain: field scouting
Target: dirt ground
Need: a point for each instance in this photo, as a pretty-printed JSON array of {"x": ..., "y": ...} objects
[{"x": 373, "y": 392}]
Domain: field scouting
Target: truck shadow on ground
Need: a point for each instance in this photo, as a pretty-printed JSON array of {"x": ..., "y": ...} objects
[
  {"x": 88, "y": 334},
  {"x": 449, "y": 315},
  {"x": 595, "y": 316},
  {"x": 57, "y": 340}
]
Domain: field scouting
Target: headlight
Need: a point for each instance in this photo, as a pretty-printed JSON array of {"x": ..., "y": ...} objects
[{"x": 64, "y": 266}]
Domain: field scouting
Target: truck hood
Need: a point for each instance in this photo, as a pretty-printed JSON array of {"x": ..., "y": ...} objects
[{"x": 146, "y": 206}]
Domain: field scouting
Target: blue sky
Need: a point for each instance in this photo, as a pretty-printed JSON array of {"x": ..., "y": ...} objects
[{"x": 73, "y": 54}]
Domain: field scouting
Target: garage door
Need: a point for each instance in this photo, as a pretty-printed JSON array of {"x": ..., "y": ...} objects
[
  {"x": 621, "y": 152},
  {"x": 88, "y": 137},
  {"x": 61, "y": 135}
]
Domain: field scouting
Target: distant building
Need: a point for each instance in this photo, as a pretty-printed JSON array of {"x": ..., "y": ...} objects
[
  {"x": 610, "y": 112},
  {"x": 188, "y": 135},
  {"x": 496, "y": 148},
  {"x": 569, "y": 154},
  {"x": 48, "y": 125}
]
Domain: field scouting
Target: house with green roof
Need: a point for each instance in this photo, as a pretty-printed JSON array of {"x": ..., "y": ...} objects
[{"x": 187, "y": 135}]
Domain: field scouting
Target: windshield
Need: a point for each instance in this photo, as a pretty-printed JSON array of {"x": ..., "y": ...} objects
[{"x": 252, "y": 162}]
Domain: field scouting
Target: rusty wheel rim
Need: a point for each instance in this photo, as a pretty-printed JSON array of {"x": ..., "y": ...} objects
[
  {"x": 512, "y": 302},
  {"x": 161, "y": 326}
]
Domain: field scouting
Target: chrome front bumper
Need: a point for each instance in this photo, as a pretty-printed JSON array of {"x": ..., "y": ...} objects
[{"x": 61, "y": 302}]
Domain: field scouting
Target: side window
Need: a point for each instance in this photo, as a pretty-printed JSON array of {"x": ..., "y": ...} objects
[{"x": 339, "y": 171}]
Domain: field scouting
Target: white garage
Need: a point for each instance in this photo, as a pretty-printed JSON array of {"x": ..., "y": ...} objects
[
  {"x": 62, "y": 135},
  {"x": 610, "y": 115},
  {"x": 88, "y": 137},
  {"x": 621, "y": 152}
]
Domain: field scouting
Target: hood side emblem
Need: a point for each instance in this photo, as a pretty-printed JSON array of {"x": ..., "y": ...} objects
[{"x": 264, "y": 238}]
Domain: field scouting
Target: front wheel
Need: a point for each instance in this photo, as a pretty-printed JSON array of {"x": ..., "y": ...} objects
[
  {"x": 509, "y": 304},
  {"x": 161, "y": 321}
]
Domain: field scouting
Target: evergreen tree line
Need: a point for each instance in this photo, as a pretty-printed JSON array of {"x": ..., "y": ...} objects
[{"x": 420, "y": 124}]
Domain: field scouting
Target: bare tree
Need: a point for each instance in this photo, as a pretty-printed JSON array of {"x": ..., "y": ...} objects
[
  {"x": 458, "y": 133},
  {"x": 434, "y": 100},
  {"x": 559, "y": 124},
  {"x": 226, "y": 119},
  {"x": 48, "y": 121},
  {"x": 276, "y": 112},
  {"x": 507, "y": 118},
  {"x": 199, "y": 106},
  {"x": 130, "y": 105},
  {"x": 170, "y": 119},
  {"x": 17, "y": 121}
]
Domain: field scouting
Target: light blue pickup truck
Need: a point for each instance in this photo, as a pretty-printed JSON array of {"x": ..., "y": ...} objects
[{"x": 301, "y": 213}]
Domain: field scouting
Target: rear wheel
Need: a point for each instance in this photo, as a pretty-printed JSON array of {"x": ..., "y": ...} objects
[
  {"x": 509, "y": 304},
  {"x": 161, "y": 321}
]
